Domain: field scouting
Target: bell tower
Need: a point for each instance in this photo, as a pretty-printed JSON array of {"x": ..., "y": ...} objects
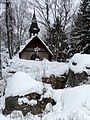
[{"x": 34, "y": 29}]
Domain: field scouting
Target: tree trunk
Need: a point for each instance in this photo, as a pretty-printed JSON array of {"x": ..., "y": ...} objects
[
  {"x": 8, "y": 27},
  {"x": 0, "y": 58},
  {"x": 11, "y": 30}
]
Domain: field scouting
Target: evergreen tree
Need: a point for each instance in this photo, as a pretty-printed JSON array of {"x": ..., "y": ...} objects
[
  {"x": 57, "y": 41},
  {"x": 80, "y": 35},
  {"x": 86, "y": 21}
]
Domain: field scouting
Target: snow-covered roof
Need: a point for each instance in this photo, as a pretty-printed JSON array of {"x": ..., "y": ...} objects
[
  {"x": 26, "y": 43},
  {"x": 29, "y": 40}
]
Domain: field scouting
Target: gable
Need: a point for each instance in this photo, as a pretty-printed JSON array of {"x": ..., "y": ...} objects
[{"x": 34, "y": 42}]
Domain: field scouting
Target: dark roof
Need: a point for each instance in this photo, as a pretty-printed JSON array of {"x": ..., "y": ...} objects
[{"x": 34, "y": 26}]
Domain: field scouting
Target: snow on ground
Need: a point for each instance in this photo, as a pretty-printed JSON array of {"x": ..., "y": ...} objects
[
  {"x": 71, "y": 103},
  {"x": 35, "y": 69},
  {"x": 76, "y": 99},
  {"x": 38, "y": 69}
]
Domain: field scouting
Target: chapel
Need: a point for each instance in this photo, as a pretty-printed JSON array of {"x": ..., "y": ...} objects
[{"x": 35, "y": 47}]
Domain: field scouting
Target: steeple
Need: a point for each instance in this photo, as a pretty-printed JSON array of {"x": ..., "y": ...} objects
[{"x": 34, "y": 29}]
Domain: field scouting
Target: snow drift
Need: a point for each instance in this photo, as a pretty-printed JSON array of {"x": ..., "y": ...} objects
[{"x": 20, "y": 84}]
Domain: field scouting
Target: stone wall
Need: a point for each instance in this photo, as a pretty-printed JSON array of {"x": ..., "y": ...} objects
[
  {"x": 11, "y": 104},
  {"x": 62, "y": 81},
  {"x": 56, "y": 82}
]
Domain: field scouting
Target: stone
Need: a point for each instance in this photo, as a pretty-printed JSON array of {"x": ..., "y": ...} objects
[
  {"x": 75, "y": 79},
  {"x": 34, "y": 96},
  {"x": 56, "y": 82},
  {"x": 11, "y": 104}
]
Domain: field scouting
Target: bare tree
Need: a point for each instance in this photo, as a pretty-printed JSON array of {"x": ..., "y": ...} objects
[
  {"x": 43, "y": 10},
  {"x": 15, "y": 22},
  {"x": 48, "y": 11},
  {"x": 22, "y": 21}
]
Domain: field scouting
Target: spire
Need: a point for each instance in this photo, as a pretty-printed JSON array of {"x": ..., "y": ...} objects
[{"x": 34, "y": 29}]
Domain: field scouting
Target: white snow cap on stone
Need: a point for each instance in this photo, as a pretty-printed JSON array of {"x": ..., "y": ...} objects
[
  {"x": 20, "y": 84},
  {"x": 80, "y": 62},
  {"x": 25, "y": 100}
]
